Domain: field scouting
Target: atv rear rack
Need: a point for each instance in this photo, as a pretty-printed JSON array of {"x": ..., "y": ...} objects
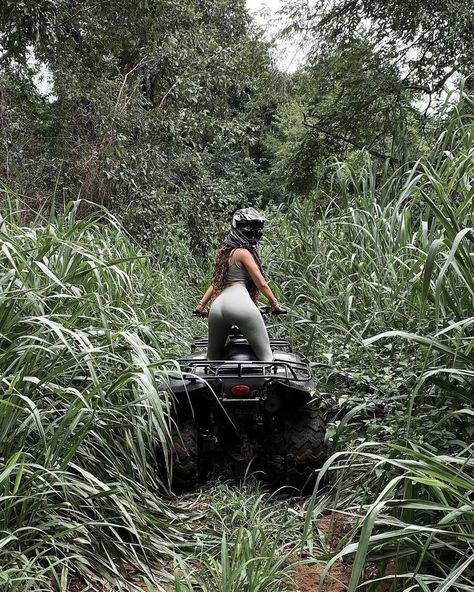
[{"x": 277, "y": 370}]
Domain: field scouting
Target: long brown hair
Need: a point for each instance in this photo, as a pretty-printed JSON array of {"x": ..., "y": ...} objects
[{"x": 221, "y": 270}]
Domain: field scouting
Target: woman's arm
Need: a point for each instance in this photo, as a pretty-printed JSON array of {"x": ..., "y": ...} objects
[
  {"x": 246, "y": 258},
  {"x": 205, "y": 299}
]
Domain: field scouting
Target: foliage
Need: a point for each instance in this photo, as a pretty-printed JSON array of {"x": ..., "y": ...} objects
[
  {"x": 397, "y": 258},
  {"x": 372, "y": 76},
  {"x": 258, "y": 539},
  {"x": 430, "y": 41},
  {"x": 412, "y": 512},
  {"x": 82, "y": 330},
  {"x": 348, "y": 100},
  {"x": 412, "y": 507},
  {"x": 158, "y": 111},
  {"x": 24, "y": 23}
]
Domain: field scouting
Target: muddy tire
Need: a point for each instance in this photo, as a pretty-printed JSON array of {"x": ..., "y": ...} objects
[
  {"x": 272, "y": 461},
  {"x": 305, "y": 447},
  {"x": 185, "y": 457}
]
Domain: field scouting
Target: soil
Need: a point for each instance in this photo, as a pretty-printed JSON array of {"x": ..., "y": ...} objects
[
  {"x": 308, "y": 576},
  {"x": 76, "y": 585}
]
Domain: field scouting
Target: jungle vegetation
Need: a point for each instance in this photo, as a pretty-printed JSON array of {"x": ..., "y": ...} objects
[{"x": 117, "y": 180}]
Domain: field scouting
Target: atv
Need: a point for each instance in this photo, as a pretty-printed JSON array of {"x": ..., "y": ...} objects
[{"x": 246, "y": 411}]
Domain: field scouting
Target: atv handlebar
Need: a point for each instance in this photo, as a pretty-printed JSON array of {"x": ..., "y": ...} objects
[{"x": 264, "y": 311}]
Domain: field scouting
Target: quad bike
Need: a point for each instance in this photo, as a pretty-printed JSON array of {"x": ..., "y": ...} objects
[{"x": 247, "y": 411}]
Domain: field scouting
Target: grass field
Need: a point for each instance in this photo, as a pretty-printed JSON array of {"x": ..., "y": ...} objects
[{"x": 381, "y": 295}]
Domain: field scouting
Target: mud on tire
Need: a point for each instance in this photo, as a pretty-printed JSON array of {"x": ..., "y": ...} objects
[
  {"x": 185, "y": 457},
  {"x": 305, "y": 447}
]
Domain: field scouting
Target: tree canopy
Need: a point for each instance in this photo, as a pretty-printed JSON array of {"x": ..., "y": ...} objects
[
  {"x": 159, "y": 108},
  {"x": 173, "y": 110},
  {"x": 430, "y": 41}
]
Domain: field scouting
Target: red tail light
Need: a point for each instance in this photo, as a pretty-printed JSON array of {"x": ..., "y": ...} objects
[{"x": 240, "y": 389}]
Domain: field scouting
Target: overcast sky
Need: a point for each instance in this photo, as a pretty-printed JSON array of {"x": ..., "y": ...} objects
[{"x": 288, "y": 55}]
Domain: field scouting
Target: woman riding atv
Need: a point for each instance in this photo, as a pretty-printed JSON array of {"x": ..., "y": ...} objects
[{"x": 237, "y": 280}]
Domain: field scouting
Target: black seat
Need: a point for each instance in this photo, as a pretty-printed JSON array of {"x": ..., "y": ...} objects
[{"x": 240, "y": 352}]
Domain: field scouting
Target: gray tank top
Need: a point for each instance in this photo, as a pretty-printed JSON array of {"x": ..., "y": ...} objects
[{"x": 237, "y": 273}]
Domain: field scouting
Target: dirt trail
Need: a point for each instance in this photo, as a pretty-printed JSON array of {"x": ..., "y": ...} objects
[{"x": 308, "y": 577}]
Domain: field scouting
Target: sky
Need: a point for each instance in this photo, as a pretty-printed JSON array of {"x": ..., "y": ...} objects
[{"x": 288, "y": 54}]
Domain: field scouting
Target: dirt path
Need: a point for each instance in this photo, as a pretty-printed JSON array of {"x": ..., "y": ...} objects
[{"x": 308, "y": 577}]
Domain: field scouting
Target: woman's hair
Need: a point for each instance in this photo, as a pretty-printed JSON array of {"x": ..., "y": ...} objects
[{"x": 221, "y": 270}]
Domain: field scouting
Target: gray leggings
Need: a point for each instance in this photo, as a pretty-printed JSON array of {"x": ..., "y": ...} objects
[{"x": 234, "y": 306}]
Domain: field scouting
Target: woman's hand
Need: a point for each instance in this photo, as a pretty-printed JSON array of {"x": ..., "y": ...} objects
[
  {"x": 201, "y": 311},
  {"x": 275, "y": 308}
]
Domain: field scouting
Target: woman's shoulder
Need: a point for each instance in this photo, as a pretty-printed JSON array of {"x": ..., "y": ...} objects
[
  {"x": 234, "y": 255},
  {"x": 241, "y": 253},
  {"x": 244, "y": 256}
]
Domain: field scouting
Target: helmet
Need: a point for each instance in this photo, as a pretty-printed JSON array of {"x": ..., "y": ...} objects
[
  {"x": 247, "y": 224},
  {"x": 248, "y": 216}
]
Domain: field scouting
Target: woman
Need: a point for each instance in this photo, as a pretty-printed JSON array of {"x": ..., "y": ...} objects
[{"x": 238, "y": 278}]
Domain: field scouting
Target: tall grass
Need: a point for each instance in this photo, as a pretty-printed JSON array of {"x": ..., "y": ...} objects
[
  {"x": 381, "y": 291},
  {"x": 390, "y": 282},
  {"x": 397, "y": 262},
  {"x": 258, "y": 542},
  {"x": 412, "y": 514},
  {"x": 81, "y": 339}
]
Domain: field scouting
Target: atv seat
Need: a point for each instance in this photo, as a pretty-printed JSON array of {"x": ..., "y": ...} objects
[{"x": 239, "y": 351}]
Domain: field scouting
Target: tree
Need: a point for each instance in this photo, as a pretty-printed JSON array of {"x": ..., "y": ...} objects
[
  {"x": 158, "y": 111},
  {"x": 430, "y": 41},
  {"x": 25, "y": 23},
  {"x": 348, "y": 99}
]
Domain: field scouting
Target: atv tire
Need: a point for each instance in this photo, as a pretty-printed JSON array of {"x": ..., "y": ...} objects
[
  {"x": 185, "y": 457},
  {"x": 272, "y": 460},
  {"x": 305, "y": 447}
]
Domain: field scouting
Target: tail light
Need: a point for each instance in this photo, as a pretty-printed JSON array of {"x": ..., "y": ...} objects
[{"x": 240, "y": 389}]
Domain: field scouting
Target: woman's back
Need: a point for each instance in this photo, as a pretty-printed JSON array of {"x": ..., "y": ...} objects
[{"x": 236, "y": 272}]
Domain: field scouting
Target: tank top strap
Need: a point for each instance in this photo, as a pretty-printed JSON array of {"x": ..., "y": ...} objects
[{"x": 231, "y": 254}]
